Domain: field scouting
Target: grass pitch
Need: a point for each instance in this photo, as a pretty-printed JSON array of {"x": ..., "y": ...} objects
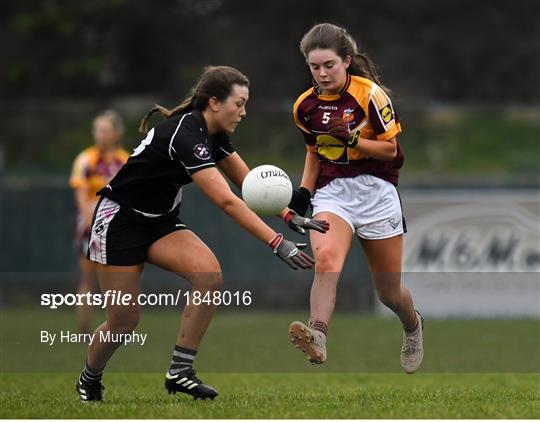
[
  {"x": 472, "y": 369},
  {"x": 142, "y": 395}
]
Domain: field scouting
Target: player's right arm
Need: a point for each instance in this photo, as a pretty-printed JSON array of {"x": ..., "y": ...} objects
[
  {"x": 294, "y": 214},
  {"x": 84, "y": 205},
  {"x": 301, "y": 198},
  {"x": 79, "y": 183},
  {"x": 312, "y": 168},
  {"x": 212, "y": 183}
]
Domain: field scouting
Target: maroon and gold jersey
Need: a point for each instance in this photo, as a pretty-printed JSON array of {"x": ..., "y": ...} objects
[
  {"x": 91, "y": 169},
  {"x": 365, "y": 107}
]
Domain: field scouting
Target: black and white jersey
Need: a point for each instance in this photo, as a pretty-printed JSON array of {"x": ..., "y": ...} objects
[{"x": 150, "y": 183}]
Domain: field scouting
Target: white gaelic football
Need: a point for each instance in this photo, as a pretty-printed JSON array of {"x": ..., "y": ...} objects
[{"x": 267, "y": 190}]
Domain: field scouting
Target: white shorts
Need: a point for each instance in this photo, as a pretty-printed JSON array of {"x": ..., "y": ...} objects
[{"x": 370, "y": 205}]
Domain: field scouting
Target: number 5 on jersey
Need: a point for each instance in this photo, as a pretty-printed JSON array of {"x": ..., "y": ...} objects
[{"x": 325, "y": 117}]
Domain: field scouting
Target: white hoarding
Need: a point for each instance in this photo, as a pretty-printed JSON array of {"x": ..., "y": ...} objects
[{"x": 473, "y": 253}]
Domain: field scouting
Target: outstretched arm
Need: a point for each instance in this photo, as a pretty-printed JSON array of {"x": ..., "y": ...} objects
[
  {"x": 212, "y": 183},
  {"x": 301, "y": 200},
  {"x": 234, "y": 168}
]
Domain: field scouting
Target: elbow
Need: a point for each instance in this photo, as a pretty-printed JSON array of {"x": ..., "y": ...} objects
[
  {"x": 390, "y": 153},
  {"x": 393, "y": 153},
  {"x": 228, "y": 203}
]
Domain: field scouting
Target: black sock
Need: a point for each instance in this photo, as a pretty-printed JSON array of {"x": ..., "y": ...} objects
[
  {"x": 413, "y": 327},
  {"x": 318, "y": 325},
  {"x": 91, "y": 375},
  {"x": 182, "y": 359}
]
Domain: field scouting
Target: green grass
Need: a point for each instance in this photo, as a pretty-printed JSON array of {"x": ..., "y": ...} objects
[
  {"x": 472, "y": 369},
  {"x": 281, "y": 396},
  {"x": 257, "y": 342}
]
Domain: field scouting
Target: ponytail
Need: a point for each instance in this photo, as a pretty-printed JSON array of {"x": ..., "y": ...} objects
[
  {"x": 215, "y": 82},
  {"x": 362, "y": 65},
  {"x": 183, "y": 107}
]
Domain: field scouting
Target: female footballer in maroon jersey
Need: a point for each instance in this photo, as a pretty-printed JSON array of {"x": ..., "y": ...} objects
[
  {"x": 136, "y": 221},
  {"x": 92, "y": 169},
  {"x": 352, "y": 166}
]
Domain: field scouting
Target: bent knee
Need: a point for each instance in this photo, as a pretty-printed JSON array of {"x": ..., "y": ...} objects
[
  {"x": 123, "y": 322},
  {"x": 327, "y": 261},
  {"x": 391, "y": 300},
  {"x": 207, "y": 280},
  {"x": 206, "y": 265}
]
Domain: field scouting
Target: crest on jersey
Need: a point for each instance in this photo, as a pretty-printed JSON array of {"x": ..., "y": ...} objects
[
  {"x": 201, "y": 151},
  {"x": 348, "y": 115},
  {"x": 386, "y": 114}
]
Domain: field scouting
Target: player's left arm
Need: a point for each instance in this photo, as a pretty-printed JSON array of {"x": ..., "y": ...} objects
[
  {"x": 380, "y": 150},
  {"x": 384, "y": 121},
  {"x": 235, "y": 168}
]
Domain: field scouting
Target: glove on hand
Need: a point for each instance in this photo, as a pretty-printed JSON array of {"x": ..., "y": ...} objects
[
  {"x": 290, "y": 252},
  {"x": 339, "y": 129},
  {"x": 300, "y": 224}
]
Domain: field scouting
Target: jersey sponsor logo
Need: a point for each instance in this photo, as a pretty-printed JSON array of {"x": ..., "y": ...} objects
[
  {"x": 327, "y": 107},
  {"x": 386, "y": 114},
  {"x": 331, "y": 148},
  {"x": 201, "y": 151}
]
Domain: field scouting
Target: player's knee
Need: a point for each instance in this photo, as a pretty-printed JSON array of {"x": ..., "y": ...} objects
[
  {"x": 123, "y": 322},
  {"x": 205, "y": 265},
  {"x": 327, "y": 262},
  {"x": 207, "y": 280},
  {"x": 390, "y": 299},
  {"x": 88, "y": 282},
  {"x": 211, "y": 281}
]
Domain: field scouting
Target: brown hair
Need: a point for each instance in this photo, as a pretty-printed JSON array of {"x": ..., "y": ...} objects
[
  {"x": 215, "y": 81},
  {"x": 336, "y": 38}
]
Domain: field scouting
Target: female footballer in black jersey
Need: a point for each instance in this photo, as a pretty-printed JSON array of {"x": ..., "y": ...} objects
[
  {"x": 352, "y": 164},
  {"x": 136, "y": 221}
]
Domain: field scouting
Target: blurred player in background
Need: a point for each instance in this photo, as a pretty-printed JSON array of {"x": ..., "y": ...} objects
[
  {"x": 136, "y": 221},
  {"x": 92, "y": 169},
  {"x": 352, "y": 166}
]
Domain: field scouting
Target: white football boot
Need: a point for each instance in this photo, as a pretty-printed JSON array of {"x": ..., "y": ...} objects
[
  {"x": 311, "y": 342},
  {"x": 412, "y": 351}
]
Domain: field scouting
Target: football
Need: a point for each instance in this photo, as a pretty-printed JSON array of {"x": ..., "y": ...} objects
[{"x": 267, "y": 190}]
